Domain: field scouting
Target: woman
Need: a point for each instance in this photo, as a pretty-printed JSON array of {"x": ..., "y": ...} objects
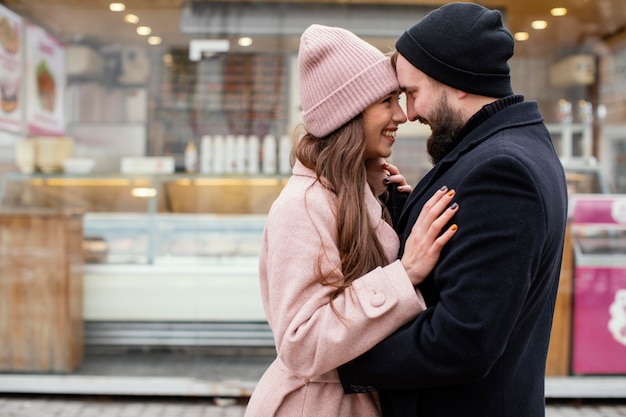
[{"x": 331, "y": 285}]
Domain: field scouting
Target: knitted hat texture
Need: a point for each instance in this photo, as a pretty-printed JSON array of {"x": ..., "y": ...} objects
[
  {"x": 462, "y": 45},
  {"x": 339, "y": 76}
]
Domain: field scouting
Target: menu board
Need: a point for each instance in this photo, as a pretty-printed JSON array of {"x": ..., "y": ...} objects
[
  {"x": 11, "y": 103},
  {"x": 45, "y": 82}
]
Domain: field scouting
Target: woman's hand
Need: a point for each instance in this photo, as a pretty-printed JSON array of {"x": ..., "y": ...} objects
[
  {"x": 424, "y": 244},
  {"x": 380, "y": 174}
]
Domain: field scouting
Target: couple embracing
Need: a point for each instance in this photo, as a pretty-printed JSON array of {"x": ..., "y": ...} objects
[{"x": 432, "y": 301}]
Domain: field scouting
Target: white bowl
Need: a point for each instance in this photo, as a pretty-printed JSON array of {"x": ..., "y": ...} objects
[{"x": 78, "y": 165}]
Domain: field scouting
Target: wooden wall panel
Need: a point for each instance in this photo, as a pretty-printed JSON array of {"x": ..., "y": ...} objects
[
  {"x": 41, "y": 295},
  {"x": 559, "y": 351}
]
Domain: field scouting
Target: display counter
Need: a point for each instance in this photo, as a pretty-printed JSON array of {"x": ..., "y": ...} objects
[
  {"x": 184, "y": 267},
  {"x": 146, "y": 194},
  {"x": 163, "y": 253}
]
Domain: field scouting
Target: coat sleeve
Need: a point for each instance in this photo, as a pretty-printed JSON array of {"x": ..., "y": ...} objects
[
  {"x": 395, "y": 202},
  {"x": 482, "y": 281},
  {"x": 313, "y": 337}
]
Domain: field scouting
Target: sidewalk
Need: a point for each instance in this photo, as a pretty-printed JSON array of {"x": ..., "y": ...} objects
[
  {"x": 218, "y": 372},
  {"x": 192, "y": 384},
  {"x": 54, "y": 406},
  {"x": 213, "y": 372}
]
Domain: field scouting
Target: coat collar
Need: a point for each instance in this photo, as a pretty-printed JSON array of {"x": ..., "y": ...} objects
[
  {"x": 374, "y": 207},
  {"x": 505, "y": 117}
]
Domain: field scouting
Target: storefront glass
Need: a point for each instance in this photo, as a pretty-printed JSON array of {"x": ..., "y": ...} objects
[{"x": 189, "y": 129}]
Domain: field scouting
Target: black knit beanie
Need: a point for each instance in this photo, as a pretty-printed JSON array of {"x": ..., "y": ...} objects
[{"x": 462, "y": 45}]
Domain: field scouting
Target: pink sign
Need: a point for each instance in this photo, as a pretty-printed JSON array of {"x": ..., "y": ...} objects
[
  {"x": 599, "y": 336},
  {"x": 599, "y": 209}
]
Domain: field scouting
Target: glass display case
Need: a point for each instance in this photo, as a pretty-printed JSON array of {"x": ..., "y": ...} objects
[
  {"x": 584, "y": 176},
  {"x": 163, "y": 250}
]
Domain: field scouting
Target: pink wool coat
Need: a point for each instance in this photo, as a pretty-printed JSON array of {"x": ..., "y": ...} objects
[{"x": 312, "y": 340}]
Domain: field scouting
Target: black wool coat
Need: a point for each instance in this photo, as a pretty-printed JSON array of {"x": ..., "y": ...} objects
[{"x": 480, "y": 348}]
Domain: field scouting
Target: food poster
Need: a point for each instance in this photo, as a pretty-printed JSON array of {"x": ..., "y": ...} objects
[
  {"x": 11, "y": 103},
  {"x": 45, "y": 83}
]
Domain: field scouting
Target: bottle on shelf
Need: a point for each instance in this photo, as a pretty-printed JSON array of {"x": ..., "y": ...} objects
[
  {"x": 284, "y": 153},
  {"x": 206, "y": 154},
  {"x": 230, "y": 156},
  {"x": 254, "y": 163},
  {"x": 191, "y": 157},
  {"x": 240, "y": 154},
  {"x": 269, "y": 154},
  {"x": 218, "y": 155}
]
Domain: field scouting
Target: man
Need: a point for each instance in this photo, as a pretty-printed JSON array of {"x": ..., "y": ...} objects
[{"x": 480, "y": 348}]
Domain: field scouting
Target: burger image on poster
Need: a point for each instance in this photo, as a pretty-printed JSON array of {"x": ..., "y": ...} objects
[{"x": 46, "y": 87}]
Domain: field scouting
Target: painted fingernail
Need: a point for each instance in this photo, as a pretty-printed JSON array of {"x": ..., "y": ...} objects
[
  {"x": 454, "y": 206},
  {"x": 454, "y": 227},
  {"x": 451, "y": 193},
  {"x": 386, "y": 180},
  {"x": 444, "y": 188}
]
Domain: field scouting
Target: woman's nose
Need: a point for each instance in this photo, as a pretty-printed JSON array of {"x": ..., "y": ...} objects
[{"x": 399, "y": 117}]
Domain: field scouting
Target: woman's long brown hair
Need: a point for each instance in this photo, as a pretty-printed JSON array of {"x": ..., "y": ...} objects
[{"x": 338, "y": 158}]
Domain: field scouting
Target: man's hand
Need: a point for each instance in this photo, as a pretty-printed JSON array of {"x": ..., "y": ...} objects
[{"x": 380, "y": 174}]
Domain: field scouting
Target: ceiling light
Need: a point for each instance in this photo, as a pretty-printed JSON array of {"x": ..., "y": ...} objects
[
  {"x": 154, "y": 40},
  {"x": 117, "y": 7},
  {"x": 539, "y": 24},
  {"x": 558, "y": 11},
  {"x": 521, "y": 36},
  {"x": 245, "y": 41},
  {"x": 144, "y": 30},
  {"x": 131, "y": 18}
]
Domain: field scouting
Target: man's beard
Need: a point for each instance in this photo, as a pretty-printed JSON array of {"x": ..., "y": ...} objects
[{"x": 445, "y": 124}]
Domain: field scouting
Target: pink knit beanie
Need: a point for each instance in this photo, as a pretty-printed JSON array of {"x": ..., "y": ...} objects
[{"x": 340, "y": 75}]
